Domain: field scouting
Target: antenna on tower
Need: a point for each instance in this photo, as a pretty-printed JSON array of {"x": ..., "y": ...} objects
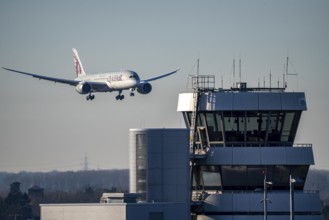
[
  {"x": 264, "y": 81},
  {"x": 222, "y": 83},
  {"x": 233, "y": 72},
  {"x": 240, "y": 70},
  {"x": 198, "y": 66},
  {"x": 270, "y": 78},
  {"x": 278, "y": 82},
  {"x": 287, "y": 71}
]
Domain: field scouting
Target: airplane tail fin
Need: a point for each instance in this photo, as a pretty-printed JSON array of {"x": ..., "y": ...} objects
[{"x": 78, "y": 65}]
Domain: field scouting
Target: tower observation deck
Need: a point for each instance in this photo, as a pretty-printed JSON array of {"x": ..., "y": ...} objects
[{"x": 242, "y": 148}]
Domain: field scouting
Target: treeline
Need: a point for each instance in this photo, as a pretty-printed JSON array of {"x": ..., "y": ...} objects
[
  {"x": 73, "y": 181},
  {"x": 20, "y": 205},
  {"x": 21, "y": 193},
  {"x": 69, "y": 181},
  {"x": 88, "y": 186}
]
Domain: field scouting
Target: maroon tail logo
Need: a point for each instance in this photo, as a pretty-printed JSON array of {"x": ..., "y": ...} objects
[{"x": 77, "y": 66}]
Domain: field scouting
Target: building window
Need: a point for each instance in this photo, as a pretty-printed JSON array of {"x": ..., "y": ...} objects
[{"x": 141, "y": 164}]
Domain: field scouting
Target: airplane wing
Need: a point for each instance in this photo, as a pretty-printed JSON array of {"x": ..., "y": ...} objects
[
  {"x": 57, "y": 80},
  {"x": 159, "y": 77}
]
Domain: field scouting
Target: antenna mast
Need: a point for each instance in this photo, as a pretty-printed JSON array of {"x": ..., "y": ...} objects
[
  {"x": 287, "y": 72},
  {"x": 197, "y": 72},
  {"x": 287, "y": 65},
  {"x": 233, "y": 72},
  {"x": 270, "y": 78},
  {"x": 222, "y": 82},
  {"x": 240, "y": 70}
]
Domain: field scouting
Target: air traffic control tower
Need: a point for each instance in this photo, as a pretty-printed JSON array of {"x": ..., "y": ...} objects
[
  {"x": 236, "y": 160},
  {"x": 244, "y": 163}
]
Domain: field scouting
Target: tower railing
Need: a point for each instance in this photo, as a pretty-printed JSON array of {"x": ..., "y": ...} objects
[{"x": 203, "y": 82}]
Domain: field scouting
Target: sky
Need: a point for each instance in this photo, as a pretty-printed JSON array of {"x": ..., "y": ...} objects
[{"x": 46, "y": 126}]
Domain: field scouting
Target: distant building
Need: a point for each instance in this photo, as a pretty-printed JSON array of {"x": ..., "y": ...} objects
[{"x": 35, "y": 193}]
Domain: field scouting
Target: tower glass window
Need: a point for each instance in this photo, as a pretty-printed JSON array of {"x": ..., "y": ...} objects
[
  {"x": 214, "y": 126},
  {"x": 248, "y": 128}
]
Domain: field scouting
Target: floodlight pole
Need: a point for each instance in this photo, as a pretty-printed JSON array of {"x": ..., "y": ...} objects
[
  {"x": 291, "y": 183},
  {"x": 265, "y": 199}
]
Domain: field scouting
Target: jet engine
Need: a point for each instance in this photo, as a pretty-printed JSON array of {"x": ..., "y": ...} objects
[
  {"x": 144, "y": 88},
  {"x": 83, "y": 88}
]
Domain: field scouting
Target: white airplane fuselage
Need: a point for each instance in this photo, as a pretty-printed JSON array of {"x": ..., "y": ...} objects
[{"x": 115, "y": 81}]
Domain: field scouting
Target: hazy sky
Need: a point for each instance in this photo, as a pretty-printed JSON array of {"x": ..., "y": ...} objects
[{"x": 46, "y": 126}]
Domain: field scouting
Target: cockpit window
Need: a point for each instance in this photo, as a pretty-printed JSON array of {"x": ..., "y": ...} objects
[{"x": 134, "y": 76}]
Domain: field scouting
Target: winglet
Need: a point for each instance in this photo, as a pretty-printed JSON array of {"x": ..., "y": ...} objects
[{"x": 78, "y": 65}]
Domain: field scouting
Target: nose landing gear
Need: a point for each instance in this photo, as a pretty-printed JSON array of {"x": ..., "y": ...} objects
[
  {"x": 132, "y": 92},
  {"x": 90, "y": 97}
]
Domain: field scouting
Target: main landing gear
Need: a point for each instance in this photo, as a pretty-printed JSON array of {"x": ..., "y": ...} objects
[
  {"x": 90, "y": 97},
  {"x": 120, "y": 97}
]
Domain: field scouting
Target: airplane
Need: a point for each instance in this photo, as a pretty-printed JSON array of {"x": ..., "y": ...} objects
[{"x": 102, "y": 82}]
